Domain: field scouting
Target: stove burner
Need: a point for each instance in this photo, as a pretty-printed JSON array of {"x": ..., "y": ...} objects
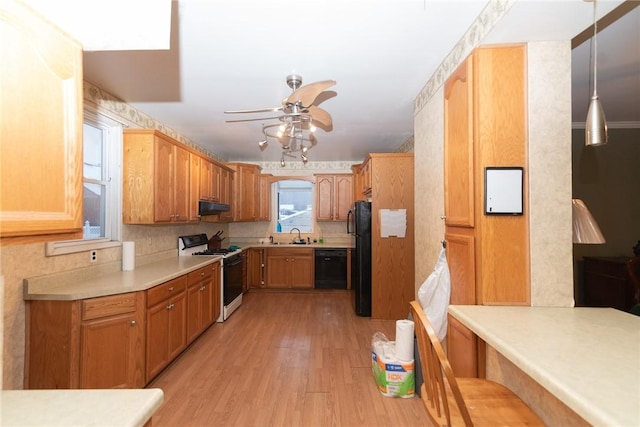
[{"x": 212, "y": 252}]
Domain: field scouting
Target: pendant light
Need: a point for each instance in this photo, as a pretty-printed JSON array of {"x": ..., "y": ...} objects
[{"x": 596, "y": 125}]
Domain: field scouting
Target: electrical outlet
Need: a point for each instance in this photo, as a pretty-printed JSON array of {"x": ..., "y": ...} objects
[{"x": 94, "y": 256}]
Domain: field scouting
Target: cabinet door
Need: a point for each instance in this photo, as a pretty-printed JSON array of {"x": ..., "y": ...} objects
[
  {"x": 324, "y": 197},
  {"x": 40, "y": 128},
  {"x": 264, "y": 207},
  {"x": 278, "y": 270},
  {"x": 177, "y": 325},
  {"x": 181, "y": 195},
  {"x": 163, "y": 181},
  {"x": 157, "y": 338},
  {"x": 206, "y": 304},
  {"x": 216, "y": 292},
  {"x": 194, "y": 186},
  {"x": 301, "y": 267},
  {"x": 255, "y": 268},
  {"x": 461, "y": 260},
  {"x": 248, "y": 193},
  {"x": 194, "y": 312},
  {"x": 206, "y": 179},
  {"x": 461, "y": 349},
  {"x": 109, "y": 349},
  {"x": 343, "y": 196},
  {"x": 458, "y": 149},
  {"x": 216, "y": 172}
]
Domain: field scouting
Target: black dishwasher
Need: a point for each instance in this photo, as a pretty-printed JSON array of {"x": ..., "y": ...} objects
[{"x": 331, "y": 269}]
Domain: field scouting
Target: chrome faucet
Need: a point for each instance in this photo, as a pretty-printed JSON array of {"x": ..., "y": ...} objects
[{"x": 296, "y": 228}]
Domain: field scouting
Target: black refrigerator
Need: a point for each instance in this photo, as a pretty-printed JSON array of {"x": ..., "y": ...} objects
[{"x": 359, "y": 225}]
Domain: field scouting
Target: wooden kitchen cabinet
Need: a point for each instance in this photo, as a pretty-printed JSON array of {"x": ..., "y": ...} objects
[
  {"x": 246, "y": 201},
  {"x": 201, "y": 299},
  {"x": 156, "y": 178},
  {"x": 334, "y": 196},
  {"x": 485, "y": 125},
  {"x": 289, "y": 268},
  {"x": 166, "y": 324},
  {"x": 255, "y": 268},
  {"x": 392, "y": 257},
  {"x": 264, "y": 197},
  {"x": 40, "y": 129},
  {"x": 209, "y": 180},
  {"x": 88, "y": 344}
]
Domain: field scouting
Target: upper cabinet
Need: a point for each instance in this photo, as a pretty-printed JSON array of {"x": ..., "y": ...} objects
[
  {"x": 157, "y": 179},
  {"x": 40, "y": 129},
  {"x": 164, "y": 180},
  {"x": 334, "y": 196},
  {"x": 246, "y": 190}
]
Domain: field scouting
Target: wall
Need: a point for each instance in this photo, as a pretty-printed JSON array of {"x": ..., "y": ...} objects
[
  {"x": 606, "y": 178},
  {"x": 24, "y": 261}
]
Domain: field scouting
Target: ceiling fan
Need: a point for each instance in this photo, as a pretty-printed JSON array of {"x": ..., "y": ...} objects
[{"x": 299, "y": 118}]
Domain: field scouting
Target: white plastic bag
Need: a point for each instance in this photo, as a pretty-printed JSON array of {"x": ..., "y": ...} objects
[{"x": 434, "y": 295}]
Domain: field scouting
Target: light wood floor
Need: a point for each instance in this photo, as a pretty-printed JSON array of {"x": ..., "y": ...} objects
[{"x": 284, "y": 359}]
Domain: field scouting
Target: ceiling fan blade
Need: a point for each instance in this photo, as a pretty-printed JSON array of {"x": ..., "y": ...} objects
[
  {"x": 252, "y": 120},
  {"x": 321, "y": 118},
  {"x": 308, "y": 93},
  {"x": 327, "y": 94},
  {"x": 263, "y": 110}
]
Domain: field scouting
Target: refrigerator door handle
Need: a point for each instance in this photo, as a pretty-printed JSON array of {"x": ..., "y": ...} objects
[{"x": 349, "y": 216}]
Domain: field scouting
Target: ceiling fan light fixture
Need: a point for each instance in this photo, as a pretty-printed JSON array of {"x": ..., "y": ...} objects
[
  {"x": 596, "y": 129},
  {"x": 263, "y": 144},
  {"x": 312, "y": 127},
  {"x": 304, "y": 158},
  {"x": 282, "y": 164}
]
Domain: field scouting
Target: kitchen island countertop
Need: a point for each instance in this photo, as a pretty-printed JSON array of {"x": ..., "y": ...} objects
[
  {"x": 52, "y": 408},
  {"x": 587, "y": 357}
]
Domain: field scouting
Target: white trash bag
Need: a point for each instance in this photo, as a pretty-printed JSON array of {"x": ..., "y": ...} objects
[{"x": 434, "y": 295}]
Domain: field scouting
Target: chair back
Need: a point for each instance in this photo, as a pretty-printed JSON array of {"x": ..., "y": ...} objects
[{"x": 437, "y": 373}]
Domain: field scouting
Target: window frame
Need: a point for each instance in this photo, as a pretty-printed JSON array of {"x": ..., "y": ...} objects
[
  {"x": 276, "y": 206},
  {"x": 113, "y": 224}
]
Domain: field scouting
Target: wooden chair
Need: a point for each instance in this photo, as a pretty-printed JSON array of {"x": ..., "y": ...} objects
[{"x": 452, "y": 401}]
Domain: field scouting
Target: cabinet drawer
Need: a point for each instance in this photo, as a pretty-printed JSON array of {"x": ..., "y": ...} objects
[
  {"x": 96, "y": 308},
  {"x": 199, "y": 275},
  {"x": 166, "y": 290}
]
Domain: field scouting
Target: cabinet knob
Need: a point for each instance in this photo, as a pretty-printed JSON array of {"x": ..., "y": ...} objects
[
  {"x": 169, "y": 307},
  {"x": 202, "y": 274},
  {"x": 133, "y": 323},
  {"x": 170, "y": 288}
]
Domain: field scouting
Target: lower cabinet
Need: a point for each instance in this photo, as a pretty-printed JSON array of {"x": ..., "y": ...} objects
[
  {"x": 117, "y": 341},
  {"x": 289, "y": 268},
  {"x": 203, "y": 285},
  {"x": 255, "y": 268},
  {"x": 166, "y": 324},
  {"x": 91, "y": 343}
]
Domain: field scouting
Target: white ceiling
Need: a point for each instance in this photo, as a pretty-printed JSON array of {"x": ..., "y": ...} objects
[{"x": 231, "y": 55}]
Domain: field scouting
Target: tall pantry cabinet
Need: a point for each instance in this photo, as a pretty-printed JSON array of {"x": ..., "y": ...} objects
[
  {"x": 485, "y": 126},
  {"x": 386, "y": 180}
]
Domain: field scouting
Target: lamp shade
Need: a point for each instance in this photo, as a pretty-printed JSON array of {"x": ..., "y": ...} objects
[{"x": 585, "y": 227}]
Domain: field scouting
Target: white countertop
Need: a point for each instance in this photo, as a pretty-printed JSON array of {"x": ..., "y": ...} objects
[
  {"x": 51, "y": 408},
  {"x": 587, "y": 357},
  {"x": 68, "y": 287}
]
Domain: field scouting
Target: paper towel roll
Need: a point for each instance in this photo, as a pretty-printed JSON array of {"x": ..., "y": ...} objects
[
  {"x": 404, "y": 340},
  {"x": 128, "y": 256}
]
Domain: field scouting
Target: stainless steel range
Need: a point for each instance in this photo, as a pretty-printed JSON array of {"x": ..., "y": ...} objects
[{"x": 231, "y": 271}]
